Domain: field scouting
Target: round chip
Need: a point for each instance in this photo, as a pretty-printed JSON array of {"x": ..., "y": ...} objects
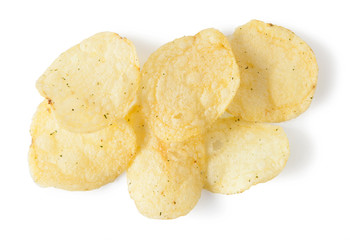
[
  {"x": 278, "y": 73},
  {"x": 74, "y": 161},
  {"x": 187, "y": 84},
  {"x": 166, "y": 179},
  {"x": 242, "y": 154},
  {"x": 93, "y": 83}
]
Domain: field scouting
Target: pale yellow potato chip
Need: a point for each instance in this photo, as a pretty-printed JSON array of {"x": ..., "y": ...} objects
[
  {"x": 75, "y": 161},
  {"x": 242, "y": 154},
  {"x": 93, "y": 83},
  {"x": 166, "y": 179},
  {"x": 187, "y": 84},
  {"x": 278, "y": 73}
]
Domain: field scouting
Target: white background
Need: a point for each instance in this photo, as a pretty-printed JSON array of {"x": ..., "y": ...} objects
[{"x": 308, "y": 200}]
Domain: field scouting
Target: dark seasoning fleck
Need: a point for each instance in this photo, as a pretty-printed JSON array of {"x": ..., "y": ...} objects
[{"x": 53, "y": 132}]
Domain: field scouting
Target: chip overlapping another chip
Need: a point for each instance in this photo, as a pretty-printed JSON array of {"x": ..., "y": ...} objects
[
  {"x": 74, "y": 161},
  {"x": 178, "y": 126},
  {"x": 241, "y": 154},
  {"x": 278, "y": 73},
  {"x": 166, "y": 178},
  {"x": 187, "y": 84},
  {"x": 93, "y": 83}
]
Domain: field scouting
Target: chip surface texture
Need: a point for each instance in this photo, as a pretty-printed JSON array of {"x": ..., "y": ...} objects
[
  {"x": 278, "y": 73},
  {"x": 166, "y": 179},
  {"x": 74, "y": 161},
  {"x": 242, "y": 154},
  {"x": 93, "y": 83},
  {"x": 187, "y": 84}
]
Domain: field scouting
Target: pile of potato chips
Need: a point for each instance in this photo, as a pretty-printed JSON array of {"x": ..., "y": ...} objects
[{"x": 196, "y": 116}]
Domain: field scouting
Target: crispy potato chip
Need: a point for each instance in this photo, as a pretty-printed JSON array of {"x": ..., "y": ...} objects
[
  {"x": 187, "y": 84},
  {"x": 93, "y": 83},
  {"x": 242, "y": 154},
  {"x": 75, "y": 161},
  {"x": 166, "y": 179},
  {"x": 278, "y": 73}
]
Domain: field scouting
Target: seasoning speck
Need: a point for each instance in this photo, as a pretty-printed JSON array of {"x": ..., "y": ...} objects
[{"x": 53, "y": 132}]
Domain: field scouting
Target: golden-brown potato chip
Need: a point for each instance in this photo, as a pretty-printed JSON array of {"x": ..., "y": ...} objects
[
  {"x": 278, "y": 73},
  {"x": 166, "y": 179},
  {"x": 187, "y": 84},
  {"x": 74, "y": 161},
  {"x": 242, "y": 154},
  {"x": 93, "y": 83}
]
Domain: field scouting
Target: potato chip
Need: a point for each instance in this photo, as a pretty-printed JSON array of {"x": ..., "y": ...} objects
[
  {"x": 278, "y": 73},
  {"x": 187, "y": 84},
  {"x": 93, "y": 83},
  {"x": 242, "y": 154},
  {"x": 75, "y": 161},
  {"x": 166, "y": 179}
]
